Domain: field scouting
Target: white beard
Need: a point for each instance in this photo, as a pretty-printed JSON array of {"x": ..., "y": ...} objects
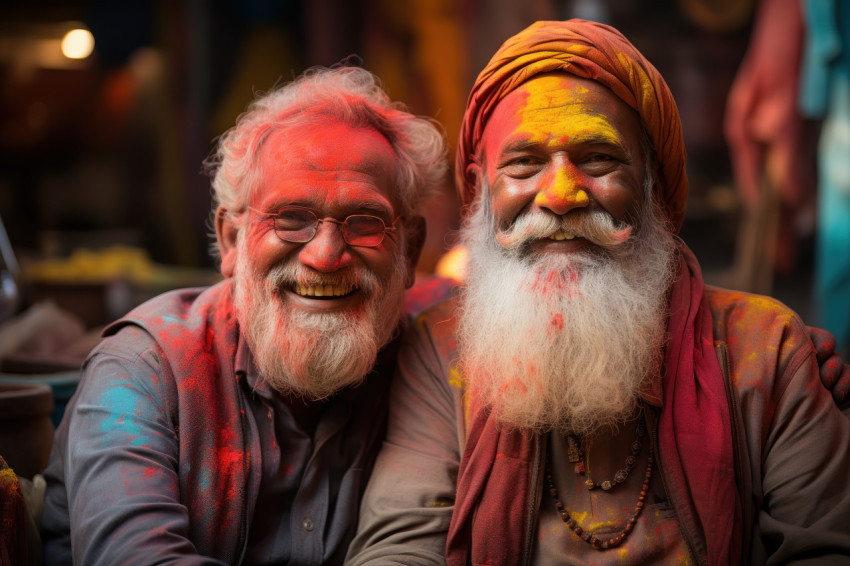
[
  {"x": 314, "y": 354},
  {"x": 563, "y": 342}
]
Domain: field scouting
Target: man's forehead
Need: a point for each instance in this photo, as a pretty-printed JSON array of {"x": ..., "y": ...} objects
[
  {"x": 326, "y": 144},
  {"x": 351, "y": 163},
  {"x": 558, "y": 104}
]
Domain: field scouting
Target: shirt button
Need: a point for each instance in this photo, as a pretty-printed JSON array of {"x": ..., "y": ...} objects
[{"x": 307, "y": 524}]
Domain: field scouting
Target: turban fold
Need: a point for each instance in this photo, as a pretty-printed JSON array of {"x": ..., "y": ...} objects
[{"x": 592, "y": 51}]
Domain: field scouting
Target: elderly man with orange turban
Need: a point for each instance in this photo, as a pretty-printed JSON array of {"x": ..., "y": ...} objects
[{"x": 586, "y": 398}]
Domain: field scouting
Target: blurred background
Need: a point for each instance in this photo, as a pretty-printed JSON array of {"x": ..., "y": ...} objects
[{"x": 103, "y": 131}]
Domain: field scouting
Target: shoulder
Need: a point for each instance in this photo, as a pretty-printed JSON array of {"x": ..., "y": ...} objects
[
  {"x": 181, "y": 307},
  {"x": 763, "y": 323},
  {"x": 765, "y": 343},
  {"x": 181, "y": 334},
  {"x": 193, "y": 325},
  {"x": 435, "y": 329},
  {"x": 429, "y": 349},
  {"x": 739, "y": 311}
]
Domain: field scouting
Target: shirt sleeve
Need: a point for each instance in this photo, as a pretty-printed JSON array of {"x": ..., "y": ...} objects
[
  {"x": 120, "y": 457},
  {"x": 804, "y": 469},
  {"x": 407, "y": 507}
]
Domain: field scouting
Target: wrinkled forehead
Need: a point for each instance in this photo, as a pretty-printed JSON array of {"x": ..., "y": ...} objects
[
  {"x": 326, "y": 145},
  {"x": 329, "y": 157},
  {"x": 561, "y": 106}
]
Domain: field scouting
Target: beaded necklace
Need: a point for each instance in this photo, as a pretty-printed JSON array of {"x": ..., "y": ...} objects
[
  {"x": 576, "y": 453},
  {"x": 587, "y": 536}
]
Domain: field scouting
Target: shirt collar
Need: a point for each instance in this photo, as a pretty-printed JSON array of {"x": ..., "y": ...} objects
[{"x": 247, "y": 369}]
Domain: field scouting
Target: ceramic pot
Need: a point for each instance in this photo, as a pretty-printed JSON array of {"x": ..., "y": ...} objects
[{"x": 26, "y": 431}]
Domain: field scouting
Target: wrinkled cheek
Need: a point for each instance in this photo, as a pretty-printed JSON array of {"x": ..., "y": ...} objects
[
  {"x": 506, "y": 203},
  {"x": 263, "y": 249},
  {"x": 621, "y": 203}
]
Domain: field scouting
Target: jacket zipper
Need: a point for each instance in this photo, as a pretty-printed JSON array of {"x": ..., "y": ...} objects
[{"x": 723, "y": 358}]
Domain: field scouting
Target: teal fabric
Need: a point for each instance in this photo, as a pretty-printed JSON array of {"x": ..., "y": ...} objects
[{"x": 825, "y": 94}]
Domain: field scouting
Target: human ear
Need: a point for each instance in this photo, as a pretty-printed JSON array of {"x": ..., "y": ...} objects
[
  {"x": 226, "y": 232},
  {"x": 475, "y": 179},
  {"x": 415, "y": 237}
]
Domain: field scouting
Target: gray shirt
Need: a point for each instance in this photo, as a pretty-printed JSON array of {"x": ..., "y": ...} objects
[{"x": 315, "y": 462}]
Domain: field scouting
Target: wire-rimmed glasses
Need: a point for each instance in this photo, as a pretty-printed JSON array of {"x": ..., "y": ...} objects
[{"x": 299, "y": 225}]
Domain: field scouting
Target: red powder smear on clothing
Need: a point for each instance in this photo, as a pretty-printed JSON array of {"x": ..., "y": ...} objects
[{"x": 150, "y": 471}]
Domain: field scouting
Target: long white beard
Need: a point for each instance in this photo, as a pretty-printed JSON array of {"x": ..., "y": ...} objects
[
  {"x": 314, "y": 354},
  {"x": 563, "y": 341}
]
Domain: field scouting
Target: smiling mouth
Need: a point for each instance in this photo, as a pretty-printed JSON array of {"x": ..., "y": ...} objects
[
  {"x": 324, "y": 291},
  {"x": 561, "y": 235}
]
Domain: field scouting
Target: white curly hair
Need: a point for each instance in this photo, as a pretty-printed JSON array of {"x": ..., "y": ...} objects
[{"x": 346, "y": 94}]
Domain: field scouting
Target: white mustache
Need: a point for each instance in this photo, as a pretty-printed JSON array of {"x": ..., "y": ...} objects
[{"x": 597, "y": 227}]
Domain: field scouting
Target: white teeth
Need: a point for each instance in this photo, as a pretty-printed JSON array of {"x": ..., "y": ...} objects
[
  {"x": 323, "y": 290},
  {"x": 562, "y": 235}
]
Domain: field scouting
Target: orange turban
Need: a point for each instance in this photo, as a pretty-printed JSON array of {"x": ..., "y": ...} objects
[{"x": 588, "y": 50}]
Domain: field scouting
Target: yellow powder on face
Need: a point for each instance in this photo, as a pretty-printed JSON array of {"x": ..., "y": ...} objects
[
  {"x": 553, "y": 114},
  {"x": 562, "y": 190}
]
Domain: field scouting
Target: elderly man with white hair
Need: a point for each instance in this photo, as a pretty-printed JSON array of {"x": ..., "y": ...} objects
[{"x": 238, "y": 424}]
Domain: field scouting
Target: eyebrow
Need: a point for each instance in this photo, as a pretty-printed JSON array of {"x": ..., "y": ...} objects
[{"x": 586, "y": 138}]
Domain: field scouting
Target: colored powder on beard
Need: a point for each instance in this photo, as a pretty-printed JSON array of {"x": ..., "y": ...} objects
[{"x": 558, "y": 321}]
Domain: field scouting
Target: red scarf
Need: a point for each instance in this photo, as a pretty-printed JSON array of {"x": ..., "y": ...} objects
[{"x": 489, "y": 524}]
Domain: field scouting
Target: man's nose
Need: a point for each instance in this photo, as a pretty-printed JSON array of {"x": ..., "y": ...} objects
[
  {"x": 327, "y": 251},
  {"x": 562, "y": 191}
]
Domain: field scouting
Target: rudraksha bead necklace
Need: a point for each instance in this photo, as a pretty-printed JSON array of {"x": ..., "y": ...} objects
[
  {"x": 587, "y": 536},
  {"x": 576, "y": 453}
]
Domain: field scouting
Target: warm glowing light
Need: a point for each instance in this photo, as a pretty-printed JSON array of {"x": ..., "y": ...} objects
[{"x": 77, "y": 44}]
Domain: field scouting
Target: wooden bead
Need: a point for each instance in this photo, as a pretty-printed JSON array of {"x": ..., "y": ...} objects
[{"x": 587, "y": 536}]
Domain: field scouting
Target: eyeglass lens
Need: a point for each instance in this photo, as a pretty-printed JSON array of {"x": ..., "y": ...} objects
[{"x": 300, "y": 225}]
